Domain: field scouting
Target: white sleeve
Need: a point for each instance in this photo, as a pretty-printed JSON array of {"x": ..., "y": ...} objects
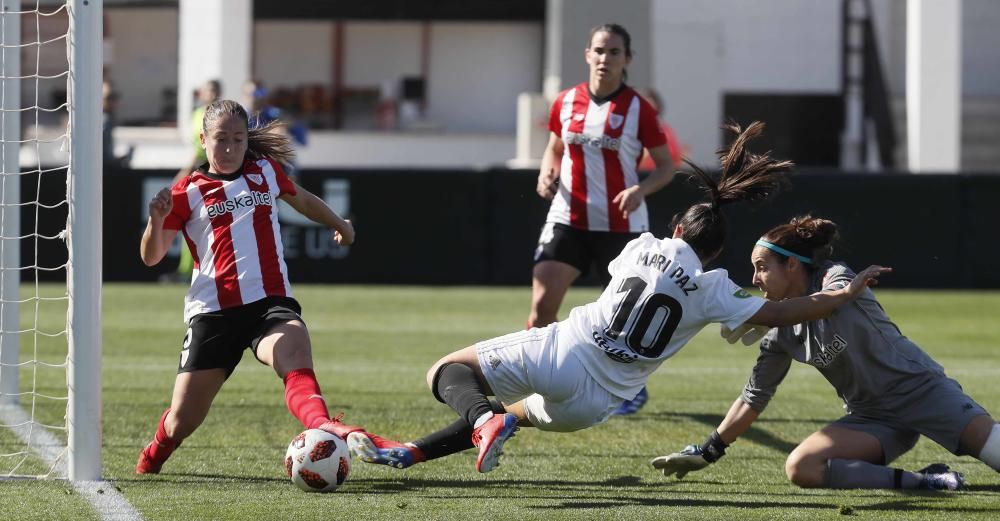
[{"x": 729, "y": 304}]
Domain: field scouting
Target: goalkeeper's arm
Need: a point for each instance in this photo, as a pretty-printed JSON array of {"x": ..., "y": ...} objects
[{"x": 696, "y": 457}]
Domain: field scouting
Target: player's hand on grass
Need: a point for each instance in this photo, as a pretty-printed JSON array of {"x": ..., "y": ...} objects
[
  {"x": 160, "y": 205},
  {"x": 548, "y": 184},
  {"x": 748, "y": 333},
  {"x": 680, "y": 463}
]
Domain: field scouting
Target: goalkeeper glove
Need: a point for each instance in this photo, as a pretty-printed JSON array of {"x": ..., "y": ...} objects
[
  {"x": 748, "y": 333},
  {"x": 692, "y": 458}
]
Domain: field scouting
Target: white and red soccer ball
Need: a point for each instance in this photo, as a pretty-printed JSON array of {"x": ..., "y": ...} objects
[{"x": 317, "y": 461}]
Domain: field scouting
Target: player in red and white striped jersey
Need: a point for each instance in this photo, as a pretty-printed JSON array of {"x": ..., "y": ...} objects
[
  {"x": 599, "y": 129},
  {"x": 240, "y": 296}
]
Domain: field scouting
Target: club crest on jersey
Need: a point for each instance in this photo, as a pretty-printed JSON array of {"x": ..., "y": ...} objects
[
  {"x": 616, "y": 120},
  {"x": 245, "y": 200},
  {"x": 256, "y": 179},
  {"x": 578, "y": 117},
  {"x": 741, "y": 293}
]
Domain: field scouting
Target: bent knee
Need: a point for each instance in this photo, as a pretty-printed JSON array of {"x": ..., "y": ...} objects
[
  {"x": 435, "y": 370},
  {"x": 805, "y": 471}
]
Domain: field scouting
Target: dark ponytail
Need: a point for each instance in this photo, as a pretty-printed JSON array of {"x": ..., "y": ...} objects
[
  {"x": 268, "y": 140},
  {"x": 805, "y": 235},
  {"x": 745, "y": 177}
]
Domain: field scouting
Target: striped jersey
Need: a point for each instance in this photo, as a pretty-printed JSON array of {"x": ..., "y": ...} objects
[
  {"x": 603, "y": 141},
  {"x": 659, "y": 297},
  {"x": 230, "y": 224}
]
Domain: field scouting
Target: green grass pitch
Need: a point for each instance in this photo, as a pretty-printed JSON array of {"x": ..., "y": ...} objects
[{"x": 372, "y": 346}]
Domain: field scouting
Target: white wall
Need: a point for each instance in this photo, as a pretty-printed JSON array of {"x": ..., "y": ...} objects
[
  {"x": 375, "y": 52},
  {"x": 981, "y": 48},
  {"x": 215, "y": 40},
  {"x": 142, "y": 47},
  {"x": 980, "y": 41},
  {"x": 703, "y": 49},
  {"x": 292, "y": 52},
  {"x": 478, "y": 69},
  {"x": 164, "y": 148},
  {"x": 781, "y": 46},
  {"x": 475, "y": 68}
]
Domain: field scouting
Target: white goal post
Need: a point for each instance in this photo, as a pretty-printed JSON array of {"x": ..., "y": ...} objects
[
  {"x": 84, "y": 275},
  {"x": 29, "y": 154}
]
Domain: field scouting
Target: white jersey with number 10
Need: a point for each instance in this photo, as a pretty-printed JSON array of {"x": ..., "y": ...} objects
[{"x": 659, "y": 297}]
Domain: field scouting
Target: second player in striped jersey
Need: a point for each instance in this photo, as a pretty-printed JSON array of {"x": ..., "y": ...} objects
[{"x": 599, "y": 129}]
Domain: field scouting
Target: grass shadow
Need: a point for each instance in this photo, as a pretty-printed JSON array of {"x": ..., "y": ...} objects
[{"x": 754, "y": 434}]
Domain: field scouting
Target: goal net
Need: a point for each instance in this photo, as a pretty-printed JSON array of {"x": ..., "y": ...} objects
[{"x": 50, "y": 238}]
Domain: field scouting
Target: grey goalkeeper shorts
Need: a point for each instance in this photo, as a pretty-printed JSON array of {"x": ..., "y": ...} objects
[{"x": 939, "y": 410}]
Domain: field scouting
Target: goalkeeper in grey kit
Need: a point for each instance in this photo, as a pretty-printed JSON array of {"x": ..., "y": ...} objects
[{"x": 892, "y": 390}]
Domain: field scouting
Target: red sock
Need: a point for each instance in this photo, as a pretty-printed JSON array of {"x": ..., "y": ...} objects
[
  {"x": 304, "y": 399},
  {"x": 418, "y": 453},
  {"x": 163, "y": 446}
]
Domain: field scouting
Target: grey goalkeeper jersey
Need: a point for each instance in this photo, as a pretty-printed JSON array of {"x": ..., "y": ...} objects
[{"x": 858, "y": 350}]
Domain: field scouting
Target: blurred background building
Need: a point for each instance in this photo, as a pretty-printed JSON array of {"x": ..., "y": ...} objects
[
  {"x": 435, "y": 83},
  {"x": 438, "y": 108}
]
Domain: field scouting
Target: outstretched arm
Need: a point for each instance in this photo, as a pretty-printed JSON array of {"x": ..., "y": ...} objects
[
  {"x": 817, "y": 306},
  {"x": 737, "y": 421},
  {"x": 696, "y": 457},
  {"x": 316, "y": 210}
]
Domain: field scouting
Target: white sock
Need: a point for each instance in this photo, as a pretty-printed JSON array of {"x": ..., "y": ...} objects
[{"x": 482, "y": 419}]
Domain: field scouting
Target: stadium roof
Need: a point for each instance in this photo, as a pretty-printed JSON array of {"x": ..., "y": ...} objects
[{"x": 516, "y": 10}]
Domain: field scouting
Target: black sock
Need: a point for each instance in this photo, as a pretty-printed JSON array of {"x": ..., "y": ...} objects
[
  {"x": 457, "y": 386},
  {"x": 451, "y": 439}
]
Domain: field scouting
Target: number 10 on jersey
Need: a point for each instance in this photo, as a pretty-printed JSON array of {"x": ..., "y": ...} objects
[{"x": 656, "y": 318}]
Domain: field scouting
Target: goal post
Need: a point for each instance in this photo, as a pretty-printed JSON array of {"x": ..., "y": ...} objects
[
  {"x": 51, "y": 72},
  {"x": 84, "y": 274},
  {"x": 10, "y": 197}
]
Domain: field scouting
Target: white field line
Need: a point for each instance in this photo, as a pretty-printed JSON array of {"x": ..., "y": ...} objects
[{"x": 109, "y": 504}]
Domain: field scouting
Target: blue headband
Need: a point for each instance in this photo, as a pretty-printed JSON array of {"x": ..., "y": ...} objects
[{"x": 786, "y": 253}]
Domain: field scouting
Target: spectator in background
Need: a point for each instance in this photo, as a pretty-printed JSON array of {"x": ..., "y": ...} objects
[
  {"x": 208, "y": 93},
  {"x": 109, "y": 100},
  {"x": 677, "y": 151},
  {"x": 256, "y": 101}
]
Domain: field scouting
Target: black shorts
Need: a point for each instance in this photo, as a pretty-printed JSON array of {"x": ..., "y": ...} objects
[
  {"x": 581, "y": 248},
  {"x": 216, "y": 340}
]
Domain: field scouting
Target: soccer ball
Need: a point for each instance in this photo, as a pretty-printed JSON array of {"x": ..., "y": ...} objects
[{"x": 317, "y": 461}]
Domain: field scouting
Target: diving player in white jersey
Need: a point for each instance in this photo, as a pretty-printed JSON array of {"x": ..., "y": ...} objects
[
  {"x": 572, "y": 374},
  {"x": 892, "y": 390}
]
